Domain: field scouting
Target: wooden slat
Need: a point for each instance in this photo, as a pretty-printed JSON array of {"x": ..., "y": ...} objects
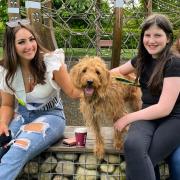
[
  {"x": 107, "y": 133},
  {"x": 105, "y": 43}
]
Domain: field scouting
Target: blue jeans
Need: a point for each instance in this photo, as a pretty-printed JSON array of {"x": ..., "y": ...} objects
[
  {"x": 33, "y": 132},
  {"x": 174, "y": 164}
]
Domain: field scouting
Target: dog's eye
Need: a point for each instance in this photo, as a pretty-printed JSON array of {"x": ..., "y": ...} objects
[
  {"x": 84, "y": 70},
  {"x": 97, "y": 72}
]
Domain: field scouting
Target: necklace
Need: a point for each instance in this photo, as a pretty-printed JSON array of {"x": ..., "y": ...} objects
[
  {"x": 29, "y": 82},
  {"x": 29, "y": 78}
]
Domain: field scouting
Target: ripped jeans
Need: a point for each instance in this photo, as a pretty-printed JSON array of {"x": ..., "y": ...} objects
[{"x": 33, "y": 132}]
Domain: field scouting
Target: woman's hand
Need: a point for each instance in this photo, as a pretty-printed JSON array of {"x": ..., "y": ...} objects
[
  {"x": 121, "y": 123},
  {"x": 63, "y": 79}
]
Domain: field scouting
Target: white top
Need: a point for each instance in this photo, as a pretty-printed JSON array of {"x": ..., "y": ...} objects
[{"x": 41, "y": 93}]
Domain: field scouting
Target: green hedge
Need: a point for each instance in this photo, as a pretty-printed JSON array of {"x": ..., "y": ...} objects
[
  {"x": 73, "y": 39},
  {"x": 70, "y": 39},
  {"x": 1, "y": 33}
]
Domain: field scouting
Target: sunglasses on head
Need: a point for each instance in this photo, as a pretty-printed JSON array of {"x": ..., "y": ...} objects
[{"x": 17, "y": 22}]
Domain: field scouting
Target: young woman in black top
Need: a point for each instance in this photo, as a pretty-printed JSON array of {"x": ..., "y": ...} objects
[{"x": 154, "y": 130}]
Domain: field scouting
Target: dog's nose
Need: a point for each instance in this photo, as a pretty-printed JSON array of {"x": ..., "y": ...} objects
[{"x": 89, "y": 82}]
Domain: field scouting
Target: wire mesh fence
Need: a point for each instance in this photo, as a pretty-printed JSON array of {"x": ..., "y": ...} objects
[
  {"x": 97, "y": 24},
  {"x": 79, "y": 27},
  {"x": 79, "y": 166}
]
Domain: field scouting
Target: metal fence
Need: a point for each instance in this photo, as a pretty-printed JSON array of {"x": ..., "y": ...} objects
[
  {"x": 117, "y": 23},
  {"x": 78, "y": 166}
]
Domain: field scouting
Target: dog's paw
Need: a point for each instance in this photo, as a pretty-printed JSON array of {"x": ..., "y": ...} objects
[{"x": 99, "y": 152}]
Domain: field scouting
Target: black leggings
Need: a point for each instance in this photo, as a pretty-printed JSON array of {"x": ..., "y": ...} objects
[{"x": 148, "y": 143}]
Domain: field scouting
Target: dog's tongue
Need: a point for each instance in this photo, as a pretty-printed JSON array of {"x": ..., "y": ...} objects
[{"x": 89, "y": 91}]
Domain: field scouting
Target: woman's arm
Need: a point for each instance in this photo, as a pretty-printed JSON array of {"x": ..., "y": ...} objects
[
  {"x": 169, "y": 95},
  {"x": 7, "y": 111},
  {"x": 124, "y": 69},
  {"x": 63, "y": 79}
]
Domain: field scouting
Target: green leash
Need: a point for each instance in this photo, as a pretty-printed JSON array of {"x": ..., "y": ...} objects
[
  {"x": 126, "y": 81},
  {"x": 20, "y": 101}
]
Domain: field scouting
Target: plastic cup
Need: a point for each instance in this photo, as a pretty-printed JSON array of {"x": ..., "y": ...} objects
[{"x": 81, "y": 134}]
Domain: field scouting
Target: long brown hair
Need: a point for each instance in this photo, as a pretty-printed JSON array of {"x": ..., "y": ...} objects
[
  {"x": 11, "y": 60},
  {"x": 156, "y": 79}
]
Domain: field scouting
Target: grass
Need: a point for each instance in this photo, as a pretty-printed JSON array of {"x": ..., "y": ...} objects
[{"x": 105, "y": 52}]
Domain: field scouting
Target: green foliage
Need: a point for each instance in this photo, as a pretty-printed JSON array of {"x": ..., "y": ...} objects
[
  {"x": 75, "y": 12},
  {"x": 1, "y": 33},
  {"x": 3, "y": 10},
  {"x": 79, "y": 16},
  {"x": 71, "y": 6},
  {"x": 1, "y": 27},
  {"x": 79, "y": 41},
  {"x": 168, "y": 7}
]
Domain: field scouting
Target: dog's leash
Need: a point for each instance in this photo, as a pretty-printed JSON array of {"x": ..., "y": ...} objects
[{"x": 126, "y": 81}]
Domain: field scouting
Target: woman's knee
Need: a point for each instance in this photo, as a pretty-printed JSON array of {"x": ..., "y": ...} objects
[{"x": 133, "y": 145}]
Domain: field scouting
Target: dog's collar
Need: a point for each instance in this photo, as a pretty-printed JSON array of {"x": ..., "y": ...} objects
[{"x": 126, "y": 81}]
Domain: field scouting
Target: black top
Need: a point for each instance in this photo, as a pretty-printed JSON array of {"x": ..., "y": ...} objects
[{"x": 172, "y": 69}]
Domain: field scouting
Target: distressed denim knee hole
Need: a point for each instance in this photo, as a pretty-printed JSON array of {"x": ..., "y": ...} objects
[
  {"x": 37, "y": 127},
  {"x": 22, "y": 143}
]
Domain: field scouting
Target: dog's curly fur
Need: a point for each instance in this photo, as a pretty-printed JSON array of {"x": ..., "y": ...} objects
[{"x": 103, "y": 98}]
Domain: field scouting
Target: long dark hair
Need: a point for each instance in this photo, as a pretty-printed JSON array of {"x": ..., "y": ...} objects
[
  {"x": 156, "y": 79},
  {"x": 11, "y": 60}
]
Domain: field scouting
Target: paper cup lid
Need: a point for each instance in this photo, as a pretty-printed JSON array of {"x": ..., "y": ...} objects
[{"x": 81, "y": 130}]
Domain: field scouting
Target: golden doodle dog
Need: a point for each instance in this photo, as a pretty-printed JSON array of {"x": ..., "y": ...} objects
[{"x": 104, "y": 98}]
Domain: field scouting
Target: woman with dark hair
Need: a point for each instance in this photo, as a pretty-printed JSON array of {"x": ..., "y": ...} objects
[
  {"x": 31, "y": 83},
  {"x": 154, "y": 130}
]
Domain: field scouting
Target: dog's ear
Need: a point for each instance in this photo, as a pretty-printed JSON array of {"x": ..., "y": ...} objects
[
  {"x": 105, "y": 78},
  {"x": 75, "y": 75}
]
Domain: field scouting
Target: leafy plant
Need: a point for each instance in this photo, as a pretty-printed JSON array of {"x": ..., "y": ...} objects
[{"x": 3, "y": 10}]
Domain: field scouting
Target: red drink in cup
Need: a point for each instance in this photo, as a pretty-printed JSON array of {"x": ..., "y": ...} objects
[{"x": 80, "y": 134}]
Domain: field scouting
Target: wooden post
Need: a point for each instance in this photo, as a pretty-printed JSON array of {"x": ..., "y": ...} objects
[
  {"x": 33, "y": 9},
  {"x": 13, "y": 9},
  {"x": 148, "y": 7},
  {"x": 117, "y": 33},
  {"x": 97, "y": 27},
  {"x": 48, "y": 32}
]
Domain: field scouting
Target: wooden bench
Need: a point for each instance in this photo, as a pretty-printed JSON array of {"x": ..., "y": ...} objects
[
  {"x": 105, "y": 43},
  {"x": 79, "y": 163},
  {"x": 107, "y": 133}
]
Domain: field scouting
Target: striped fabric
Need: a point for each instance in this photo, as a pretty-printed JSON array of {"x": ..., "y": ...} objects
[{"x": 51, "y": 104}]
